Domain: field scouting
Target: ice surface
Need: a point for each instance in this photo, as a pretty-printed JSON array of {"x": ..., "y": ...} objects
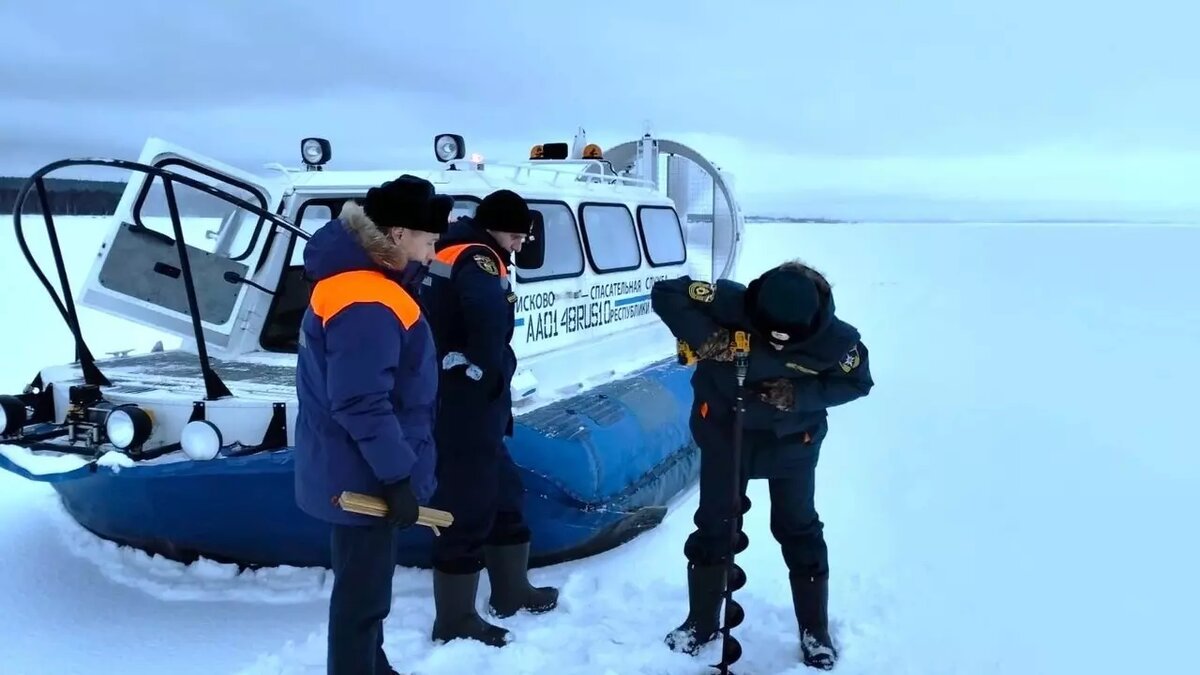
[
  {"x": 1015, "y": 497},
  {"x": 202, "y": 581}
]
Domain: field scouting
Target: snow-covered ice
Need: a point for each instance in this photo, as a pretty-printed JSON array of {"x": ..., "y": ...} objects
[
  {"x": 42, "y": 463},
  {"x": 1015, "y": 497}
]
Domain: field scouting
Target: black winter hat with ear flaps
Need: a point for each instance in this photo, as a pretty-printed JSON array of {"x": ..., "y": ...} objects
[
  {"x": 405, "y": 202},
  {"x": 504, "y": 211},
  {"x": 785, "y": 301}
]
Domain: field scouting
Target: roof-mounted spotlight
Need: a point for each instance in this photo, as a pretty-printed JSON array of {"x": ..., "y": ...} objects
[
  {"x": 315, "y": 152},
  {"x": 555, "y": 150},
  {"x": 449, "y": 147}
]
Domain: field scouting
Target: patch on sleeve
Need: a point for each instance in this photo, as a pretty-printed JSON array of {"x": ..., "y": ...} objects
[
  {"x": 701, "y": 291},
  {"x": 487, "y": 265},
  {"x": 797, "y": 366},
  {"x": 851, "y": 360}
]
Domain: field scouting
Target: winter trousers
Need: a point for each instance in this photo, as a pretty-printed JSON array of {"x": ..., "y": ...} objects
[
  {"x": 483, "y": 489},
  {"x": 788, "y": 464},
  {"x": 364, "y": 558}
]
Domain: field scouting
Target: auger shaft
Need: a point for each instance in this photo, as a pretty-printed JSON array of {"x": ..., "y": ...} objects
[{"x": 735, "y": 577}]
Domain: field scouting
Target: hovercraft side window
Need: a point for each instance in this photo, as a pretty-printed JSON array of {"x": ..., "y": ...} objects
[
  {"x": 564, "y": 253},
  {"x": 281, "y": 331},
  {"x": 464, "y": 207},
  {"x": 610, "y": 237},
  {"x": 313, "y": 214},
  {"x": 662, "y": 236}
]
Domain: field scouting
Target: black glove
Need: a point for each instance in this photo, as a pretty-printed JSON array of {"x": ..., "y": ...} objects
[{"x": 401, "y": 503}]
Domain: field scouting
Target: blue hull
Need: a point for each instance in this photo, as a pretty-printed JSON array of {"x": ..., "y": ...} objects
[{"x": 598, "y": 469}]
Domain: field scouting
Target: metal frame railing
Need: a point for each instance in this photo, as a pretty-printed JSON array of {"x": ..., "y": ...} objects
[
  {"x": 214, "y": 387},
  {"x": 566, "y": 169}
]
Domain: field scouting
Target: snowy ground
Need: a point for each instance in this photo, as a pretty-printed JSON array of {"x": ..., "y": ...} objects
[{"x": 1013, "y": 498}]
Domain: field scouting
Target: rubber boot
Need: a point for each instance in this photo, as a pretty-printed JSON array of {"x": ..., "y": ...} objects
[
  {"x": 508, "y": 571},
  {"x": 810, "y": 598},
  {"x": 705, "y": 588},
  {"x": 455, "y": 616}
]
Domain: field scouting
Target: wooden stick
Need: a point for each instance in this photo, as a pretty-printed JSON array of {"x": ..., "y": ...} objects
[{"x": 367, "y": 505}]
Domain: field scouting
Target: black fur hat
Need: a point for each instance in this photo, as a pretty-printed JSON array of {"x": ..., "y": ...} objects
[
  {"x": 405, "y": 202},
  {"x": 440, "y": 207},
  {"x": 504, "y": 211}
]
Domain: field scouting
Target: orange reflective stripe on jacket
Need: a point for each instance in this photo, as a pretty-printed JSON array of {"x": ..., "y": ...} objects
[
  {"x": 333, "y": 294},
  {"x": 449, "y": 256}
]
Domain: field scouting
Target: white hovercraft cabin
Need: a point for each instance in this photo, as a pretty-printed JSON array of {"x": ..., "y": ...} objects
[
  {"x": 607, "y": 231},
  {"x": 186, "y": 453}
]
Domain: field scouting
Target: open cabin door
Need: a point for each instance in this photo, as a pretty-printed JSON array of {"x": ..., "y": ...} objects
[
  {"x": 704, "y": 199},
  {"x": 138, "y": 273}
]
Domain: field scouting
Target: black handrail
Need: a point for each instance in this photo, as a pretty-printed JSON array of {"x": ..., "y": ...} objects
[{"x": 214, "y": 387}]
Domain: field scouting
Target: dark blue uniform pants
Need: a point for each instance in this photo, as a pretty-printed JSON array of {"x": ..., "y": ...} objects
[
  {"x": 364, "y": 559},
  {"x": 788, "y": 464},
  {"x": 482, "y": 489}
]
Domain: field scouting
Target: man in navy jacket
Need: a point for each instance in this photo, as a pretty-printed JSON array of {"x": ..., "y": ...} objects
[
  {"x": 471, "y": 308},
  {"x": 803, "y": 360},
  {"x": 366, "y": 380}
]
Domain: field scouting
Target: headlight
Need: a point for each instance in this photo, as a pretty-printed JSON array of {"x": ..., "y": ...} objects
[
  {"x": 12, "y": 415},
  {"x": 128, "y": 426},
  {"x": 315, "y": 151},
  {"x": 449, "y": 147},
  {"x": 201, "y": 439}
]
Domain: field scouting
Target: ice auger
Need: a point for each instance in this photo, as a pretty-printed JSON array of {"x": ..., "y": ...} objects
[{"x": 735, "y": 576}]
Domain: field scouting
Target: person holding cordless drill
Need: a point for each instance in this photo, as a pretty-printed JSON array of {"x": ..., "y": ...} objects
[{"x": 802, "y": 361}]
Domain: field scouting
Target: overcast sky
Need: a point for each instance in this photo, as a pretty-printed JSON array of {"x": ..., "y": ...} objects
[{"x": 922, "y": 99}]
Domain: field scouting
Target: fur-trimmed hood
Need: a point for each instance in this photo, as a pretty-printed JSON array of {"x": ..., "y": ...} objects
[
  {"x": 350, "y": 243},
  {"x": 368, "y": 235}
]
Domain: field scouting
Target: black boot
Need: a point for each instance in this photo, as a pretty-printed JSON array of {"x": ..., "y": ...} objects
[
  {"x": 508, "y": 571},
  {"x": 810, "y": 598},
  {"x": 705, "y": 587},
  {"x": 455, "y": 615}
]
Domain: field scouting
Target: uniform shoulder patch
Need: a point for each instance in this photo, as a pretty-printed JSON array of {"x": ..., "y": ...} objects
[
  {"x": 851, "y": 360},
  {"x": 487, "y": 264},
  {"x": 701, "y": 291}
]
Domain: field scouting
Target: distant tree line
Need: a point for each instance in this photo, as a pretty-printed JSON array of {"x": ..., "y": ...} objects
[
  {"x": 708, "y": 218},
  {"x": 68, "y": 196},
  {"x": 75, "y": 197}
]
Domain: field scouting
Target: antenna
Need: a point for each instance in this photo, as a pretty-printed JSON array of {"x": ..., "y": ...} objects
[{"x": 579, "y": 144}]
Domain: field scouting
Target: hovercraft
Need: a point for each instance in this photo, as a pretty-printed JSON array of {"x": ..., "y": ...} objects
[{"x": 187, "y": 452}]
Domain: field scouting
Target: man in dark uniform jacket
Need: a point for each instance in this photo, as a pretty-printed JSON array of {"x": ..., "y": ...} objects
[
  {"x": 471, "y": 307},
  {"x": 802, "y": 361}
]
